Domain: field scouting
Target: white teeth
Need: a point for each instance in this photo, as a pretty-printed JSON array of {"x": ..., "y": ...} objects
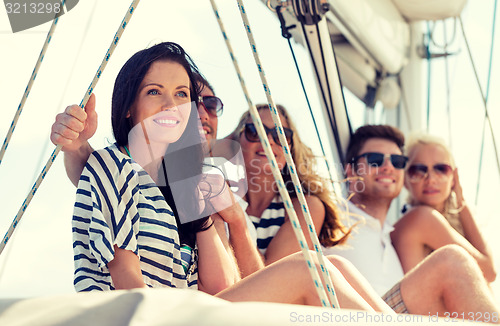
[
  {"x": 170, "y": 122},
  {"x": 205, "y": 132}
]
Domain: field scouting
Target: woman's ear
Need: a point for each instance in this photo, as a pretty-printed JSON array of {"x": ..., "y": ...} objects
[{"x": 128, "y": 114}]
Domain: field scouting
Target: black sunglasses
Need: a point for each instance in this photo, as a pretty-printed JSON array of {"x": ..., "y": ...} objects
[
  {"x": 212, "y": 104},
  {"x": 418, "y": 172},
  {"x": 252, "y": 135},
  {"x": 377, "y": 159}
]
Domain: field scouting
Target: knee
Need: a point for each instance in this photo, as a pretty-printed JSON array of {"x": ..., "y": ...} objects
[
  {"x": 340, "y": 262},
  {"x": 333, "y": 264},
  {"x": 453, "y": 259},
  {"x": 452, "y": 252}
]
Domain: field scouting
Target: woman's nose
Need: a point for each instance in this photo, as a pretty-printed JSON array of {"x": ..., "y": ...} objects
[{"x": 168, "y": 103}]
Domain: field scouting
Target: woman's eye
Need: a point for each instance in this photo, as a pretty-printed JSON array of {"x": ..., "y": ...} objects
[
  {"x": 153, "y": 92},
  {"x": 182, "y": 94}
]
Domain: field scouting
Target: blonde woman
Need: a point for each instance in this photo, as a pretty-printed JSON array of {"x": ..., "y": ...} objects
[{"x": 438, "y": 214}]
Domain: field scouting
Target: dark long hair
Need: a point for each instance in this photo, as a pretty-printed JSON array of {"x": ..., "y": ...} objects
[{"x": 187, "y": 148}]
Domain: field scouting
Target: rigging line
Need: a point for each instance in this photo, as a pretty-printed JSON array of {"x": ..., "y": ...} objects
[
  {"x": 485, "y": 104},
  {"x": 30, "y": 82},
  {"x": 288, "y": 36},
  {"x": 56, "y": 151},
  {"x": 276, "y": 173},
  {"x": 446, "y": 42},
  {"x": 331, "y": 119},
  {"x": 447, "y": 77},
  {"x": 335, "y": 130},
  {"x": 405, "y": 103},
  {"x": 317, "y": 74},
  {"x": 493, "y": 27},
  {"x": 61, "y": 99},
  {"x": 331, "y": 299},
  {"x": 47, "y": 141}
]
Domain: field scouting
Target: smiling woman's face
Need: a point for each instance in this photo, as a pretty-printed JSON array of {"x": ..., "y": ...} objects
[
  {"x": 434, "y": 189},
  {"x": 163, "y": 102}
]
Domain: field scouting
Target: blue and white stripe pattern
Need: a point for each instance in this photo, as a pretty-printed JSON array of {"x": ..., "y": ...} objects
[
  {"x": 269, "y": 223},
  {"x": 117, "y": 203}
]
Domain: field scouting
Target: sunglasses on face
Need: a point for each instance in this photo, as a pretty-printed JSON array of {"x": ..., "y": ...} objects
[
  {"x": 212, "y": 104},
  {"x": 252, "y": 136},
  {"x": 377, "y": 159},
  {"x": 418, "y": 172}
]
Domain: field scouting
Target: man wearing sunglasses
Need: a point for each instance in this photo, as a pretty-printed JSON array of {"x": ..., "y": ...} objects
[
  {"x": 447, "y": 281},
  {"x": 209, "y": 109}
]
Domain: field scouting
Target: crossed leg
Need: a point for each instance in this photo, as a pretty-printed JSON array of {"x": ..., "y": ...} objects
[{"x": 449, "y": 281}]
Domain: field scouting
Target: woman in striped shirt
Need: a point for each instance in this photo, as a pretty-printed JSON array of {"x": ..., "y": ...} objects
[{"x": 129, "y": 228}]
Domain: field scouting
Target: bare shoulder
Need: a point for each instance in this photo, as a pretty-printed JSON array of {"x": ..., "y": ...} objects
[
  {"x": 420, "y": 216},
  {"x": 315, "y": 205}
]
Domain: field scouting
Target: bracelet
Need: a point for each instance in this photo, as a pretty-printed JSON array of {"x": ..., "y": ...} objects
[
  {"x": 204, "y": 228},
  {"x": 461, "y": 208}
]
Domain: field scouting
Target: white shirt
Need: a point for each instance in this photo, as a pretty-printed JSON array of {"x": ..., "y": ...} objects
[{"x": 370, "y": 250}]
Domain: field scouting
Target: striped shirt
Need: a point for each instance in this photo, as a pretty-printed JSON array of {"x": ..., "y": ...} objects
[
  {"x": 117, "y": 203},
  {"x": 269, "y": 223}
]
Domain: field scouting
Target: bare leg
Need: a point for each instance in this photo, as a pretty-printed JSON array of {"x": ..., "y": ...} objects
[
  {"x": 288, "y": 281},
  {"x": 448, "y": 280},
  {"x": 359, "y": 283}
]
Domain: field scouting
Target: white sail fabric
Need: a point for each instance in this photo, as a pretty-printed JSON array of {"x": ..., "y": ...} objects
[
  {"x": 415, "y": 10},
  {"x": 376, "y": 29}
]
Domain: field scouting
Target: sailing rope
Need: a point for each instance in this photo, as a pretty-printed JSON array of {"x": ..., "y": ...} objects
[
  {"x": 447, "y": 77},
  {"x": 327, "y": 98},
  {"x": 331, "y": 300},
  {"x": 485, "y": 104},
  {"x": 66, "y": 86},
  {"x": 277, "y": 175},
  {"x": 480, "y": 165},
  {"x": 428, "y": 55},
  {"x": 30, "y": 83},
  {"x": 404, "y": 103},
  {"x": 56, "y": 151},
  {"x": 287, "y": 35}
]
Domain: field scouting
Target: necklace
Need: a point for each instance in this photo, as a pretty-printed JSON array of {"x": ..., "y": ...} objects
[{"x": 126, "y": 149}]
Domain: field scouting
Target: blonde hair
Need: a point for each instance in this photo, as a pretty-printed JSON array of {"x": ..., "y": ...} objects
[
  {"x": 333, "y": 231},
  {"x": 451, "y": 206}
]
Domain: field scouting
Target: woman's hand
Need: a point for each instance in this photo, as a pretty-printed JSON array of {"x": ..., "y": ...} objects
[
  {"x": 457, "y": 188},
  {"x": 220, "y": 199}
]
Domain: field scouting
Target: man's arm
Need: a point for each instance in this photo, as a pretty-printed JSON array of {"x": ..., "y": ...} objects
[
  {"x": 74, "y": 162},
  {"x": 72, "y": 129},
  {"x": 244, "y": 249}
]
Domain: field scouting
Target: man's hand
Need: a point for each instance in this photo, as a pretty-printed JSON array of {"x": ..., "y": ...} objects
[{"x": 75, "y": 126}]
